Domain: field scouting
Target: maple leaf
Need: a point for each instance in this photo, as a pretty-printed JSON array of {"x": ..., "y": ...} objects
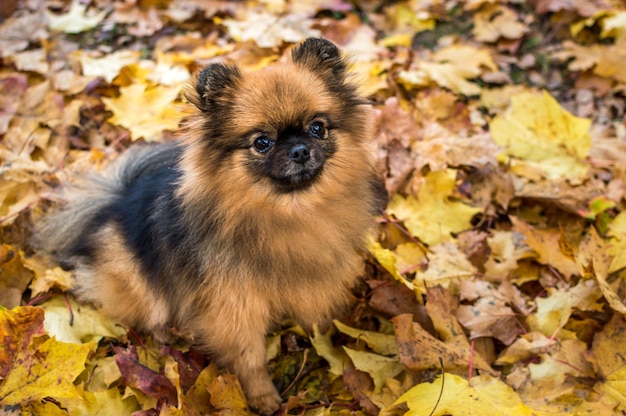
[
  {"x": 452, "y": 68},
  {"x": 108, "y": 66},
  {"x": 419, "y": 350},
  {"x": 493, "y": 21},
  {"x": 447, "y": 266},
  {"x": 482, "y": 395},
  {"x": 76, "y": 20},
  {"x": 545, "y": 245},
  {"x": 377, "y": 366},
  {"x": 431, "y": 215},
  {"x": 537, "y": 130},
  {"x": 47, "y": 276},
  {"x": 617, "y": 232},
  {"x": 70, "y": 322},
  {"x": 610, "y": 364},
  {"x": 336, "y": 357},
  {"x": 143, "y": 378},
  {"x": 34, "y": 366},
  {"x": 604, "y": 60},
  {"x": 14, "y": 277},
  {"x": 489, "y": 316},
  {"x": 383, "y": 344},
  {"x": 268, "y": 30},
  {"x": 157, "y": 113},
  {"x": 227, "y": 395},
  {"x": 387, "y": 259}
]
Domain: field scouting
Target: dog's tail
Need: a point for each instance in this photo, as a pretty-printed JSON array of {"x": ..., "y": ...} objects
[{"x": 84, "y": 200}]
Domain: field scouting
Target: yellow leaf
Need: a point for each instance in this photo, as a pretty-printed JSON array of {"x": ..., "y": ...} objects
[
  {"x": 227, "y": 395},
  {"x": 145, "y": 111},
  {"x": 76, "y": 20},
  {"x": 617, "y": 232},
  {"x": 85, "y": 324},
  {"x": 447, "y": 266},
  {"x": 47, "y": 277},
  {"x": 384, "y": 344},
  {"x": 483, "y": 395},
  {"x": 536, "y": 129},
  {"x": 106, "y": 402},
  {"x": 452, "y": 67},
  {"x": 432, "y": 216},
  {"x": 545, "y": 243},
  {"x": 377, "y": 366},
  {"x": 555, "y": 310},
  {"x": 268, "y": 30},
  {"x": 33, "y": 366},
  {"x": 387, "y": 259},
  {"x": 336, "y": 357},
  {"x": 107, "y": 67},
  {"x": 470, "y": 61},
  {"x": 609, "y": 362},
  {"x": 614, "y": 25},
  {"x": 443, "y": 74},
  {"x": 494, "y": 21},
  {"x": 14, "y": 277}
]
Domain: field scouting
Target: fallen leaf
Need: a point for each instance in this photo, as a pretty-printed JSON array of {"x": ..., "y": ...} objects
[
  {"x": 142, "y": 378},
  {"x": 158, "y": 110},
  {"x": 609, "y": 362},
  {"x": 77, "y": 20},
  {"x": 108, "y": 66},
  {"x": 74, "y": 323},
  {"x": 268, "y": 30},
  {"x": 538, "y": 131},
  {"x": 377, "y": 366},
  {"x": 447, "y": 267},
  {"x": 383, "y": 344},
  {"x": 227, "y": 395},
  {"x": 482, "y": 395},
  {"x": 14, "y": 277},
  {"x": 494, "y": 21},
  {"x": 34, "y": 366},
  {"x": 489, "y": 315},
  {"x": 431, "y": 215},
  {"x": 545, "y": 243},
  {"x": 335, "y": 357}
]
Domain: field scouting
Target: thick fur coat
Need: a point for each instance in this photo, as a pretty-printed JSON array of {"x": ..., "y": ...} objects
[{"x": 259, "y": 212}]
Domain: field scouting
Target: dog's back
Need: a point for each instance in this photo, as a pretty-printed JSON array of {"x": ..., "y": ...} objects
[{"x": 87, "y": 198}]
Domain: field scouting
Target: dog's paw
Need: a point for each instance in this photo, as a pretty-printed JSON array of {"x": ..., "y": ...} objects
[{"x": 265, "y": 400}]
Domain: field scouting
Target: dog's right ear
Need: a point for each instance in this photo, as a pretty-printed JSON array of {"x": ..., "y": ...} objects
[
  {"x": 320, "y": 55},
  {"x": 214, "y": 85}
]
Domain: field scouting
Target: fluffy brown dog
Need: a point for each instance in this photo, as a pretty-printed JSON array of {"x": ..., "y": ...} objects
[{"x": 259, "y": 213}]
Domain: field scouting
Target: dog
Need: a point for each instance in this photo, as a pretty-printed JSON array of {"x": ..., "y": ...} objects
[{"x": 258, "y": 212}]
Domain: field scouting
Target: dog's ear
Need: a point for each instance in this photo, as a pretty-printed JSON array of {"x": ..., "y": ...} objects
[
  {"x": 214, "y": 84},
  {"x": 320, "y": 55}
]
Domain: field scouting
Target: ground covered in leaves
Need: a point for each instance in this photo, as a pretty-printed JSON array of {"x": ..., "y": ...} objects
[{"x": 496, "y": 285}]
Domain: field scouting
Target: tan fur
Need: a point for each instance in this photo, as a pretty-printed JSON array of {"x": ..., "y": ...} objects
[
  {"x": 305, "y": 245},
  {"x": 116, "y": 278}
]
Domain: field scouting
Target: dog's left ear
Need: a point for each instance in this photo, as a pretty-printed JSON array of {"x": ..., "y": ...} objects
[
  {"x": 215, "y": 85},
  {"x": 320, "y": 55}
]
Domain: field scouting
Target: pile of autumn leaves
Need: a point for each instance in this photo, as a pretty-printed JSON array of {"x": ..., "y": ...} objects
[{"x": 501, "y": 253}]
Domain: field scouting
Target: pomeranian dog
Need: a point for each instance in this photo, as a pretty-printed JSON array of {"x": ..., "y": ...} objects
[{"x": 260, "y": 212}]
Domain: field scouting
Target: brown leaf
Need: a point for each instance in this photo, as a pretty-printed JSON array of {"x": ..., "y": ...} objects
[
  {"x": 144, "y": 379},
  {"x": 14, "y": 277},
  {"x": 397, "y": 299}
]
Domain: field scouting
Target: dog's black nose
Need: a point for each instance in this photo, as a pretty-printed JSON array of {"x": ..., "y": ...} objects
[{"x": 299, "y": 153}]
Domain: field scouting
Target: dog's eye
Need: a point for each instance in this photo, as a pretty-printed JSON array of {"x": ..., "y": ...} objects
[
  {"x": 263, "y": 143},
  {"x": 317, "y": 129}
]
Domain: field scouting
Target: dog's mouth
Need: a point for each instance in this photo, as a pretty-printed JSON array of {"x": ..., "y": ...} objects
[{"x": 297, "y": 177}]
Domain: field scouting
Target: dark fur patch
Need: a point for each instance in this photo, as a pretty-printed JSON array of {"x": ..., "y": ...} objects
[
  {"x": 214, "y": 82},
  {"x": 194, "y": 236},
  {"x": 149, "y": 217}
]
